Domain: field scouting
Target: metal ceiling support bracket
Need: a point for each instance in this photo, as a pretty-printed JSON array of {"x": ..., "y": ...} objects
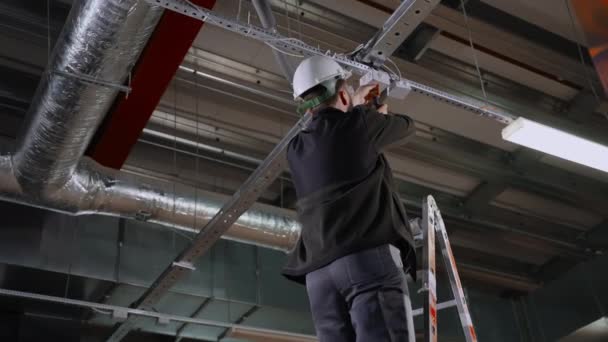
[
  {"x": 395, "y": 30},
  {"x": 242, "y": 200},
  {"x": 120, "y": 314},
  {"x": 419, "y": 42},
  {"x": 296, "y": 46},
  {"x": 275, "y": 39},
  {"x": 184, "y": 265}
]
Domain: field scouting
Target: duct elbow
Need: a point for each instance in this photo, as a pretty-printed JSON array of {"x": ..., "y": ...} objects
[{"x": 9, "y": 186}]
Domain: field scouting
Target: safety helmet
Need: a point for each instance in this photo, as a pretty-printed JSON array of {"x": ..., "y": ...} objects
[{"x": 317, "y": 70}]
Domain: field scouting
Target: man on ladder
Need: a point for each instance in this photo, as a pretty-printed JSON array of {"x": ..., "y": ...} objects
[{"x": 356, "y": 244}]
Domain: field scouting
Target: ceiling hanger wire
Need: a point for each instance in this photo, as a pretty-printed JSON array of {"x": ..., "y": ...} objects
[
  {"x": 174, "y": 157},
  {"x": 474, "y": 51},
  {"x": 198, "y": 138}
]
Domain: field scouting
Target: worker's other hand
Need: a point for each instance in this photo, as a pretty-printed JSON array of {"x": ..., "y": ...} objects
[
  {"x": 361, "y": 93},
  {"x": 383, "y": 109}
]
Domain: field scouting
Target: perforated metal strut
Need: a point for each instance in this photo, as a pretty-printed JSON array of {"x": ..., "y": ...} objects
[
  {"x": 296, "y": 46},
  {"x": 242, "y": 200}
]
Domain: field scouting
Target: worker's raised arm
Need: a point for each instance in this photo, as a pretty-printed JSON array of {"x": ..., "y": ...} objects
[{"x": 386, "y": 130}]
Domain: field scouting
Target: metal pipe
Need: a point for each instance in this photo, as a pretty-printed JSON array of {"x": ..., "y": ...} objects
[
  {"x": 262, "y": 7},
  {"x": 94, "y": 189},
  {"x": 94, "y": 53},
  {"x": 236, "y": 85}
]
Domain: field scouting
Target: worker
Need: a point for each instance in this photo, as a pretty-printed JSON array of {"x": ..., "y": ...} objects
[{"x": 356, "y": 246}]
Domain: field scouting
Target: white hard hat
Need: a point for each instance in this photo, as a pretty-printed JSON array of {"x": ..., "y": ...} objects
[{"x": 315, "y": 70}]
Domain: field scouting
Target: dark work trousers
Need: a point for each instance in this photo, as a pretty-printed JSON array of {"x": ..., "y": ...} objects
[{"x": 362, "y": 297}]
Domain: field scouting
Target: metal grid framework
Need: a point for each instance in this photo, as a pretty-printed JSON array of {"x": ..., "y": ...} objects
[
  {"x": 397, "y": 28},
  {"x": 439, "y": 305},
  {"x": 246, "y": 196},
  {"x": 274, "y": 163}
]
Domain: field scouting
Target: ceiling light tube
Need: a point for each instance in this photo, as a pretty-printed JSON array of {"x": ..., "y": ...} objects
[{"x": 557, "y": 143}]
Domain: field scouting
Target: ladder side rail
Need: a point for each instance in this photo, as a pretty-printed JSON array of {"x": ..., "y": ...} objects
[
  {"x": 429, "y": 275},
  {"x": 455, "y": 284}
]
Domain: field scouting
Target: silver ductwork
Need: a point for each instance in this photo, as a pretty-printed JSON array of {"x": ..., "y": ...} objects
[
  {"x": 94, "y": 189},
  {"x": 100, "y": 42}
]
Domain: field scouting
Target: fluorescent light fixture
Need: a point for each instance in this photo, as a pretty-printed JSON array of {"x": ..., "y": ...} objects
[{"x": 557, "y": 143}]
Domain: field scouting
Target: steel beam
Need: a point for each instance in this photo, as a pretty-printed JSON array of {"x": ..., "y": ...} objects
[
  {"x": 402, "y": 22},
  {"x": 481, "y": 196},
  {"x": 418, "y": 42}
]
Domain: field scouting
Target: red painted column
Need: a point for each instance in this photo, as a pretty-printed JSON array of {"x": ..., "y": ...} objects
[{"x": 151, "y": 76}]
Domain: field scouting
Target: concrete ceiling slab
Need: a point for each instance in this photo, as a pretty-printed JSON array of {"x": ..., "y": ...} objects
[
  {"x": 534, "y": 205},
  {"x": 551, "y": 15}
]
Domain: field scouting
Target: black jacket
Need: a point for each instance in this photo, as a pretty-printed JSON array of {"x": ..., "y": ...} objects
[{"x": 346, "y": 198}]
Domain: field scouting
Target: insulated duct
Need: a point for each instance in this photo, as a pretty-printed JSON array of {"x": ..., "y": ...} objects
[
  {"x": 94, "y": 189},
  {"x": 100, "y": 42},
  {"x": 98, "y": 46}
]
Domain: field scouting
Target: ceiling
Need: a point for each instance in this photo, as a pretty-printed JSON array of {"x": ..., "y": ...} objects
[
  {"x": 516, "y": 218},
  {"x": 594, "y": 332}
]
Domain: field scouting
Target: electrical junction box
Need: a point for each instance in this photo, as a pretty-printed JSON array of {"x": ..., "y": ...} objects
[
  {"x": 397, "y": 90},
  {"x": 400, "y": 90},
  {"x": 376, "y": 76}
]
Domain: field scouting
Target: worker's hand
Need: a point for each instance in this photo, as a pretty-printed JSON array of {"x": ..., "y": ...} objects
[
  {"x": 383, "y": 109},
  {"x": 361, "y": 93}
]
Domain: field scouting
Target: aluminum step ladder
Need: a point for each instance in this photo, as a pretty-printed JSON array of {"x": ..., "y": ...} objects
[{"x": 431, "y": 227}]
